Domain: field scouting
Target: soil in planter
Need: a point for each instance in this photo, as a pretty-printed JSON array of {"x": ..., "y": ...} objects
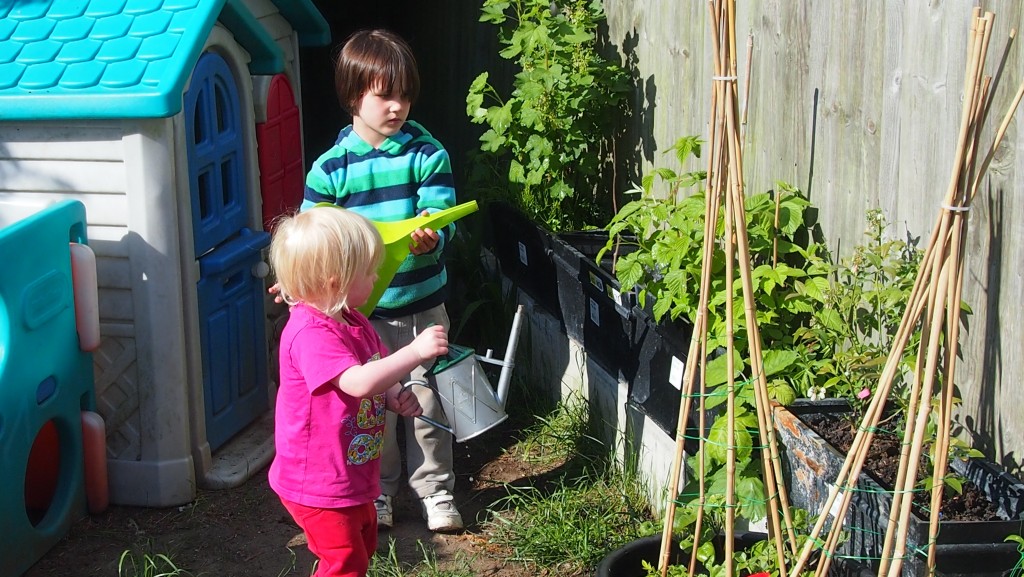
[{"x": 882, "y": 463}]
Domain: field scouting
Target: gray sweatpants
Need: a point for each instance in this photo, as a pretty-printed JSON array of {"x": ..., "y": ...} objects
[{"x": 428, "y": 449}]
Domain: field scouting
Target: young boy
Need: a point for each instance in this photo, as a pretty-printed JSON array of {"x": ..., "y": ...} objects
[{"x": 389, "y": 168}]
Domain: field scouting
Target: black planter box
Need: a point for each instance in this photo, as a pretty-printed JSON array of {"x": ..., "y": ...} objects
[
  {"x": 594, "y": 310},
  {"x": 524, "y": 252},
  {"x": 627, "y": 561},
  {"x": 656, "y": 390},
  {"x": 975, "y": 548}
]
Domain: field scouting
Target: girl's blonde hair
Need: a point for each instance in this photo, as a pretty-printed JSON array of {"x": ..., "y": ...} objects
[{"x": 318, "y": 254}]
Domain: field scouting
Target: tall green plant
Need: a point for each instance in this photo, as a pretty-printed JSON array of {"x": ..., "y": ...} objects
[
  {"x": 547, "y": 140},
  {"x": 789, "y": 269},
  {"x": 662, "y": 241}
]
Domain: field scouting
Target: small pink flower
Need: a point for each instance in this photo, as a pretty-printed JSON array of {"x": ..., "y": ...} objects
[
  {"x": 761, "y": 574},
  {"x": 865, "y": 393}
]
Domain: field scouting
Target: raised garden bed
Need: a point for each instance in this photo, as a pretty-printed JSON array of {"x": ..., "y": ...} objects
[{"x": 811, "y": 464}]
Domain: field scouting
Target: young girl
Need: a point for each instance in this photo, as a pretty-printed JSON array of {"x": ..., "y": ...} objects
[{"x": 336, "y": 381}]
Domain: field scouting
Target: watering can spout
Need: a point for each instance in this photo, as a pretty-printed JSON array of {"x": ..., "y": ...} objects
[
  {"x": 396, "y": 235},
  {"x": 505, "y": 377},
  {"x": 398, "y": 231}
]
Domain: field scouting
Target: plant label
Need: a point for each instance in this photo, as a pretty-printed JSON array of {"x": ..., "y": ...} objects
[{"x": 675, "y": 374}]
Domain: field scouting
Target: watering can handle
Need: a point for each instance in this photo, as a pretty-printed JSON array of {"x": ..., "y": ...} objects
[{"x": 425, "y": 418}]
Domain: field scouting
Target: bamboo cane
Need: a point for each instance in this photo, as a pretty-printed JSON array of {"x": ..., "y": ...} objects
[
  {"x": 746, "y": 84},
  {"x": 864, "y": 434},
  {"x": 699, "y": 331},
  {"x": 923, "y": 390},
  {"x": 697, "y": 343},
  {"x": 941, "y": 448},
  {"x": 855, "y": 458},
  {"x": 730, "y": 402},
  {"x": 725, "y": 177},
  {"x": 895, "y": 541}
]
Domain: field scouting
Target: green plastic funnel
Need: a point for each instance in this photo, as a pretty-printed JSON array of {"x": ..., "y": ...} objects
[{"x": 396, "y": 244}]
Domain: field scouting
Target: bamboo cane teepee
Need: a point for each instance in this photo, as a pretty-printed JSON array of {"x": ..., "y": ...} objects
[
  {"x": 725, "y": 181},
  {"x": 934, "y": 306}
]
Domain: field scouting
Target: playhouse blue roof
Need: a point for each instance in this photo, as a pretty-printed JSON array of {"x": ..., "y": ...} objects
[{"x": 86, "y": 59}]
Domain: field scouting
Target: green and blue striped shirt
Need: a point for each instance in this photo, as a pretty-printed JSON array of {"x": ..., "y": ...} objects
[{"x": 410, "y": 172}]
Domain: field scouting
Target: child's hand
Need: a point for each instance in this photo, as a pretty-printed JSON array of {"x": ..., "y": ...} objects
[
  {"x": 275, "y": 290},
  {"x": 423, "y": 239},
  {"x": 403, "y": 402},
  {"x": 430, "y": 343}
]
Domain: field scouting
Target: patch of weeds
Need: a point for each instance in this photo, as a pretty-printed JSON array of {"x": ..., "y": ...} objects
[
  {"x": 572, "y": 527},
  {"x": 287, "y": 570},
  {"x": 558, "y": 436},
  {"x": 568, "y": 519},
  {"x": 389, "y": 565},
  {"x": 141, "y": 564}
]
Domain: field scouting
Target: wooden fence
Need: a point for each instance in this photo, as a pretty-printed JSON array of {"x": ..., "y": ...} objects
[{"x": 859, "y": 105}]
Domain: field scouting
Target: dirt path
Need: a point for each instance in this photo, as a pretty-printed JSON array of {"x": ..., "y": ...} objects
[{"x": 246, "y": 531}]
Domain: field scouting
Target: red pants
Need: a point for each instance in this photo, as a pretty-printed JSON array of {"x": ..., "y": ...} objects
[{"x": 343, "y": 539}]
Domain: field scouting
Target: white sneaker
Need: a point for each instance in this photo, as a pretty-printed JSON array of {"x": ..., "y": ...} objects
[
  {"x": 385, "y": 513},
  {"x": 440, "y": 512}
]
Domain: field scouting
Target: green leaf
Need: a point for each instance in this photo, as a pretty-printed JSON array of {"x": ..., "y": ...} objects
[
  {"x": 706, "y": 552},
  {"x": 777, "y": 361},
  {"x": 516, "y": 173},
  {"x": 494, "y": 12},
  {"x": 718, "y": 441},
  {"x": 830, "y": 319},
  {"x": 717, "y": 372},
  {"x": 750, "y": 495},
  {"x": 491, "y": 141},
  {"x": 500, "y": 118},
  {"x": 816, "y": 287},
  {"x": 560, "y": 190},
  {"x": 781, "y": 392},
  {"x": 954, "y": 482}
]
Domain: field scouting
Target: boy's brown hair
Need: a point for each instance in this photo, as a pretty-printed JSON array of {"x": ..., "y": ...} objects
[{"x": 375, "y": 60}]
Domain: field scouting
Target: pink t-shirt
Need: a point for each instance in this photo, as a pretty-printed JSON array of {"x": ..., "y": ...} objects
[{"x": 328, "y": 443}]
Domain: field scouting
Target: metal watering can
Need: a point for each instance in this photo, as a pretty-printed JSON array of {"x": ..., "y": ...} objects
[{"x": 469, "y": 403}]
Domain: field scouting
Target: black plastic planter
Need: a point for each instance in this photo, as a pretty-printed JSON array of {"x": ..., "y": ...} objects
[
  {"x": 627, "y": 561},
  {"x": 974, "y": 548},
  {"x": 662, "y": 348},
  {"x": 594, "y": 310},
  {"x": 524, "y": 251}
]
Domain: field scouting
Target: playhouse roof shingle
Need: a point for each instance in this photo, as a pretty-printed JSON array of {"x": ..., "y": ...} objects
[{"x": 86, "y": 59}]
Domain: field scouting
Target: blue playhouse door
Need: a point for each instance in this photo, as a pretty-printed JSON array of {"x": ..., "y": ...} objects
[{"x": 231, "y": 315}]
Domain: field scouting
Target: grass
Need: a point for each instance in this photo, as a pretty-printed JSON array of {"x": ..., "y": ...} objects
[
  {"x": 558, "y": 437},
  {"x": 138, "y": 564},
  {"x": 571, "y": 518},
  {"x": 389, "y": 565}
]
